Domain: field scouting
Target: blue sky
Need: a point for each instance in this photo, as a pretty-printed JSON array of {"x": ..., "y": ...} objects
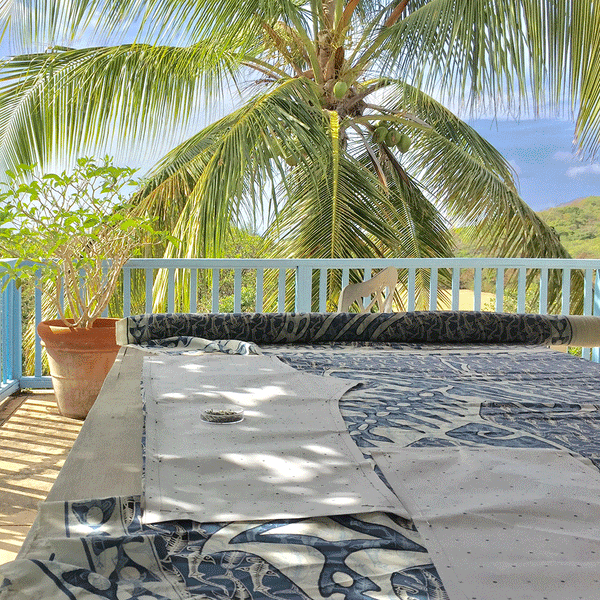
[{"x": 541, "y": 152}]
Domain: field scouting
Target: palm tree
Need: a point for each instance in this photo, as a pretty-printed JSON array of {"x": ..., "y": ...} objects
[{"x": 338, "y": 142}]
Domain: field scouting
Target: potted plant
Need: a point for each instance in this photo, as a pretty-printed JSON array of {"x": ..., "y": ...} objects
[{"x": 72, "y": 233}]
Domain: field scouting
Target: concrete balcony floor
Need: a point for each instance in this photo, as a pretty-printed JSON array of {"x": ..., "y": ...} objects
[{"x": 34, "y": 443}]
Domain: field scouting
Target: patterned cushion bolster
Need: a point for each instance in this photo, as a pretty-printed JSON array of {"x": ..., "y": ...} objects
[{"x": 455, "y": 327}]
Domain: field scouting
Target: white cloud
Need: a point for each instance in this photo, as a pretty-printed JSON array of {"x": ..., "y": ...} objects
[
  {"x": 576, "y": 171},
  {"x": 593, "y": 169},
  {"x": 564, "y": 156},
  {"x": 515, "y": 166}
]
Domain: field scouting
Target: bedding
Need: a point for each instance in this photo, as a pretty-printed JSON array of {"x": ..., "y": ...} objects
[
  {"x": 436, "y": 399},
  {"x": 502, "y": 523},
  {"x": 291, "y": 457}
]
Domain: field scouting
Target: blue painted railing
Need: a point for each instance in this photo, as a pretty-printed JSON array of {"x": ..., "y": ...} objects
[
  {"x": 258, "y": 285},
  {"x": 10, "y": 339}
]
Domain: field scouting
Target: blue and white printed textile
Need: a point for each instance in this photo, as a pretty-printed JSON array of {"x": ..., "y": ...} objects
[
  {"x": 409, "y": 395},
  {"x": 105, "y": 552}
]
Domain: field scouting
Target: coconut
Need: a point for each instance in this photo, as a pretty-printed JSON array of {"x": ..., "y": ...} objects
[
  {"x": 379, "y": 135},
  {"x": 392, "y": 137},
  {"x": 340, "y": 89},
  {"x": 404, "y": 143}
]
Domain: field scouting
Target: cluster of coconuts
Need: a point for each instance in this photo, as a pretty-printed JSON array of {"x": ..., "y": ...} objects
[{"x": 391, "y": 137}]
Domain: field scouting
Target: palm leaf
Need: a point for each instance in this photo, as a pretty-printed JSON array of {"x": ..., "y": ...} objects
[
  {"x": 229, "y": 163},
  {"x": 58, "y": 101},
  {"x": 499, "y": 54}
]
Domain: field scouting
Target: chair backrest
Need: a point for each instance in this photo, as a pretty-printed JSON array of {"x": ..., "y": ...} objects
[{"x": 375, "y": 288}]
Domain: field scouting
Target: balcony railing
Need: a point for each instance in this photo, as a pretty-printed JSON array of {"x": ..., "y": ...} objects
[{"x": 278, "y": 285}]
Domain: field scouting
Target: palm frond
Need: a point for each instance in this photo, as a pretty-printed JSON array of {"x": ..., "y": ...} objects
[
  {"x": 356, "y": 216},
  {"x": 472, "y": 182},
  {"x": 69, "y": 101},
  {"x": 492, "y": 54},
  {"x": 225, "y": 168}
]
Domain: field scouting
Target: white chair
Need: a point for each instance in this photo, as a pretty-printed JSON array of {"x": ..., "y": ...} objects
[{"x": 374, "y": 288}]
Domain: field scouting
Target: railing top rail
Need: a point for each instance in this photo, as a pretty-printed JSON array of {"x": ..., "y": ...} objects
[
  {"x": 376, "y": 263},
  {"x": 572, "y": 263}
]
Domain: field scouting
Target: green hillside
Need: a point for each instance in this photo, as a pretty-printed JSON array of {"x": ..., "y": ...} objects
[{"x": 577, "y": 223}]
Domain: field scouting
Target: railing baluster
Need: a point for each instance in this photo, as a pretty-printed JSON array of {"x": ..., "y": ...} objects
[
  {"x": 4, "y": 317},
  {"x": 411, "y": 289},
  {"x": 193, "y": 290},
  {"x": 588, "y": 303},
  {"x": 216, "y": 274},
  {"x": 8, "y": 370},
  {"x": 62, "y": 302},
  {"x": 149, "y": 278},
  {"x": 345, "y": 277},
  {"x": 303, "y": 289},
  {"x": 596, "y": 311},
  {"x": 477, "y": 289},
  {"x": 323, "y": 290},
  {"x": 566, "y": 291},
  {"x": 170, "y": 290},
  {"x": 237, "y": 290},
  {"x": 367, "y": 274},
  {"x": 126, "y": 291},
  {"x": 521, "y": 297},
  {"x": 104, "y": 275},
  {"x": 10, "y": 338},
  {"x": 260, "y": 291},
  {"x": 281, "y": 290},
  {"x": 82, "y": 286},
  {"x": 588, "y": 292},
  {"x": 5, "y": 353},
  {"x": 37, "y": 295},
  {"x": 17, "y": 329},
  {"x": 433, "y": 288},
  {"x": 499, "y": 289},
  {"x": 543, "y": 291},
  {"x": 455, "y": 288}
]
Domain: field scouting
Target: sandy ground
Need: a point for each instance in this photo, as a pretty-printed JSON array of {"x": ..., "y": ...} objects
[{"x": 465, "y": 300}]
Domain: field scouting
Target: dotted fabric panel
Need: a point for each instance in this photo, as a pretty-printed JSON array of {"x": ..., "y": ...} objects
[
  {"x": 504, "y": 524},
  {"x": 291, "y": 456}
]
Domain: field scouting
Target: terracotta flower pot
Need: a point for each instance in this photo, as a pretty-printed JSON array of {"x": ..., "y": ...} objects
[{"x": 79, "y": 361}]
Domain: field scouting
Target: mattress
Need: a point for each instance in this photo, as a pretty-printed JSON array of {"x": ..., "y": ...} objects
[{"x": 488, "y": 440}]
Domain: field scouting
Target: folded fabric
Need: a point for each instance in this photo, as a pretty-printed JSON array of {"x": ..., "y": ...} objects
[
  {"x": 503, "y": 523},
  {"x": 186, "y": 343},
  {"x": 291, "y": 456},
  {"x": 99, "y": 550}
]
